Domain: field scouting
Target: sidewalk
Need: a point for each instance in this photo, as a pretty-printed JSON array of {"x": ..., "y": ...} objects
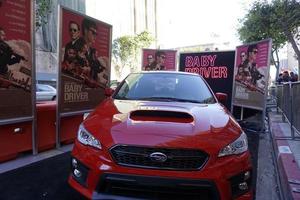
[
  {"x": 29, "y": 158},
  {"x": 287, "y": 152}
]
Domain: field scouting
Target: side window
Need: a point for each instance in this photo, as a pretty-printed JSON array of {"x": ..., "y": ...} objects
[{"x": 123, "y": 90}]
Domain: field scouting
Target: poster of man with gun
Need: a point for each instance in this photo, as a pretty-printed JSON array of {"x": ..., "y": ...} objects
[{"x": 9, "y": 57}]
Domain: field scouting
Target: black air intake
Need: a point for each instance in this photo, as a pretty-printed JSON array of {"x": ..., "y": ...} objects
[{"x": 158, "y": 115}]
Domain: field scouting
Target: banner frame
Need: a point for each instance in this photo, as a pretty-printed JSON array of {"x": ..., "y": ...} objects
[
  {"x": 263, "y": 109},
  {"x": 33, "y": 79},
  {"x": 211, "y": 51},
  {"x": 33, "y": 89},
  {"x": 60, "y": 114},
  {"x": 170, "y": 50}
]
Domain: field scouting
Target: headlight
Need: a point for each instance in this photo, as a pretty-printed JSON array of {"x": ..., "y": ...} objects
[
  {"x": 239, "y": 146},
  {"x": 86, "y": 138}
]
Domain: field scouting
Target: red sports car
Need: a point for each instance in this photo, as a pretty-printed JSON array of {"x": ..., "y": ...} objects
[{"x": 161, "y": 135}]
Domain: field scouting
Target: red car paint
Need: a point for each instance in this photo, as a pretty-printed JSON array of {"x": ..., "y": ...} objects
[{"x": 210, "y": 128}]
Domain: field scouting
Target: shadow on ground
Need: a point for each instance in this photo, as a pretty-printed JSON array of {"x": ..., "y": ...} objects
[{"x": 46, "y": 179}]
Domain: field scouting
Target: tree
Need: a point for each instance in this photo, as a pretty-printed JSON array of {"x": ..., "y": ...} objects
[
  {"x": 126, "y": 50},
  {"x": 43, "y": 8},
  {"x": 279, "y": 20}
]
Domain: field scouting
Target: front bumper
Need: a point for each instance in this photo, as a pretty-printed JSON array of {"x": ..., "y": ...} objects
[{"x": 103, "y": 177}]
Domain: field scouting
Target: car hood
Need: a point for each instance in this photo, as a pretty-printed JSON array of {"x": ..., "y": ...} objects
[{"x": 164, "y": 124}]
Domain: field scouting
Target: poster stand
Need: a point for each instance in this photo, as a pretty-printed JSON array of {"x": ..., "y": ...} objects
[
  {"x": 17, "y": 123},
  {"x": 84, "y": 88},
  {"x": 252, "y": 97},
  {"x": 216, "y": 67}
]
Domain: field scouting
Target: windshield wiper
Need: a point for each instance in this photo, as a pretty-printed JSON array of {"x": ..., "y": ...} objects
[{"x": 169, "y": 99}]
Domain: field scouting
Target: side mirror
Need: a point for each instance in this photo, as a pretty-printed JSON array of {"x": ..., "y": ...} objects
[
  {"x": 222, "y": 97},
  {"x": 108, "y": 92}
]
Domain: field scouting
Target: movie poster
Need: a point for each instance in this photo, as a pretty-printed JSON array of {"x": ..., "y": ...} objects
[
  {"x": 15, "y": 59},
  {"x": 85, "y": 61},
  {"x": 158, "y": 59},
  {"x": 251, "y": 74},
  {"x": 215, "y": 67}
]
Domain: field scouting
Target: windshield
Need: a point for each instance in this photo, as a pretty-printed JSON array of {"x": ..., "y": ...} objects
[{"x": 165, "y": 87}]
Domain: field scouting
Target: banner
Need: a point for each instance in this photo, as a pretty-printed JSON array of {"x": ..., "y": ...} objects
[
  {"x": 158, "y": 59},
  {"x": 84, "y": 70},
  {"x": 251, "y": 74},
  {"x": 215, "y": 67},
  {"x": 16, "y": 59}
]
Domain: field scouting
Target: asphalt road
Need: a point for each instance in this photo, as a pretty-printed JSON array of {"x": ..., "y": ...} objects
[{"x": 47, "y": 179}]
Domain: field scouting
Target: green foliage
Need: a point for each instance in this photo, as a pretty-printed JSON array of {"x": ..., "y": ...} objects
[
  {"x": 260, "y": 23},
  {"x": 43, "y": 8},
  {"x": 126, "y": 50},
  {"x": 279, "y": 20}
]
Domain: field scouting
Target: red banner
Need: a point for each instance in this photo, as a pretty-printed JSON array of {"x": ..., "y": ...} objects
[
  {"x": 15, "y": 59},
  {"x": 85, "y": 61},
  {"x": 251, "y": 74},
  {"x": 158, "y": 59}
]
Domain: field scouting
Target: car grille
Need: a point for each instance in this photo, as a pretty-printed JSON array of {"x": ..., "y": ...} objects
[
  {"x": 148, "y": 187},
  {"x": 176, "y": 159}
]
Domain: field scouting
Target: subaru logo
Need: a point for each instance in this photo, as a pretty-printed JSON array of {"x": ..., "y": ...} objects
[{"x": 158, "y": 157}]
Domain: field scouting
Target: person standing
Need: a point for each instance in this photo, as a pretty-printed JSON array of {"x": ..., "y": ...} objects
[
  {"x": 293, "y": 77},
  {"x": 286, "y": 77}
]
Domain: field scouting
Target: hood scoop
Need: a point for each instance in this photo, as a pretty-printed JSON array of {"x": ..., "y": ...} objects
[{"x": 163, "y": 116}]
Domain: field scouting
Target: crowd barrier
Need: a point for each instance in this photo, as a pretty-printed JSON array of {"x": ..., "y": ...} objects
[
  {"x": 17, "y": 138},
  {"x": 288, "y": 101}
]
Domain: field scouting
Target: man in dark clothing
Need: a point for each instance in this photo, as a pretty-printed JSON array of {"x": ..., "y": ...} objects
[
  {"x": 293, "y": 77},
  {"x": 150, "y": 60},
  {"x": 74, "y": 31},
  {"x": 256, "y": 75},
  {"x": 7, "y": 55},
  {"x": 279, "y": 79},
  {"x": 286, "y": 77},
  {"x": 89, "y": 32},
  {"x": 159, "y": 63},
  {"x": 252, "y": 54}
]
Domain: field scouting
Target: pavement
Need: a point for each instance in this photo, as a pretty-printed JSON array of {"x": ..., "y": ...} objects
[{"x": 287, "y": 154}]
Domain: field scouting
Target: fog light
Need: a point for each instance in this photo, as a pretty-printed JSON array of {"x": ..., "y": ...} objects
[
  {"x": 243, "y": 186},
  {"x": 246, "y": 175},
  {"x": 77, "y": 173},
  {"x": 74, "y": 163}
]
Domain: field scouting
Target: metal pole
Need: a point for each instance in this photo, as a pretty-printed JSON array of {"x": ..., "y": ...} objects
[
  {"x": 134, "y": 16},
  {"x": 155, "y": 13},
  {"x": 146, "y": 14},
  {"x": 242, "y": 113},
  {"x": 58, "y": 99},
  {"x": 33, "y": 82}
]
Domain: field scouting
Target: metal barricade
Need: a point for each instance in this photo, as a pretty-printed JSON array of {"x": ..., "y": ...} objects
[
  {"x": 288, "y": 101},
  {"x": 295, "y": 90},
  {"x": 279, "y": 96}
]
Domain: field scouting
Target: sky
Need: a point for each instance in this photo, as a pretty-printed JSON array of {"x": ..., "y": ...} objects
[{"x": 180, "y": 22}]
